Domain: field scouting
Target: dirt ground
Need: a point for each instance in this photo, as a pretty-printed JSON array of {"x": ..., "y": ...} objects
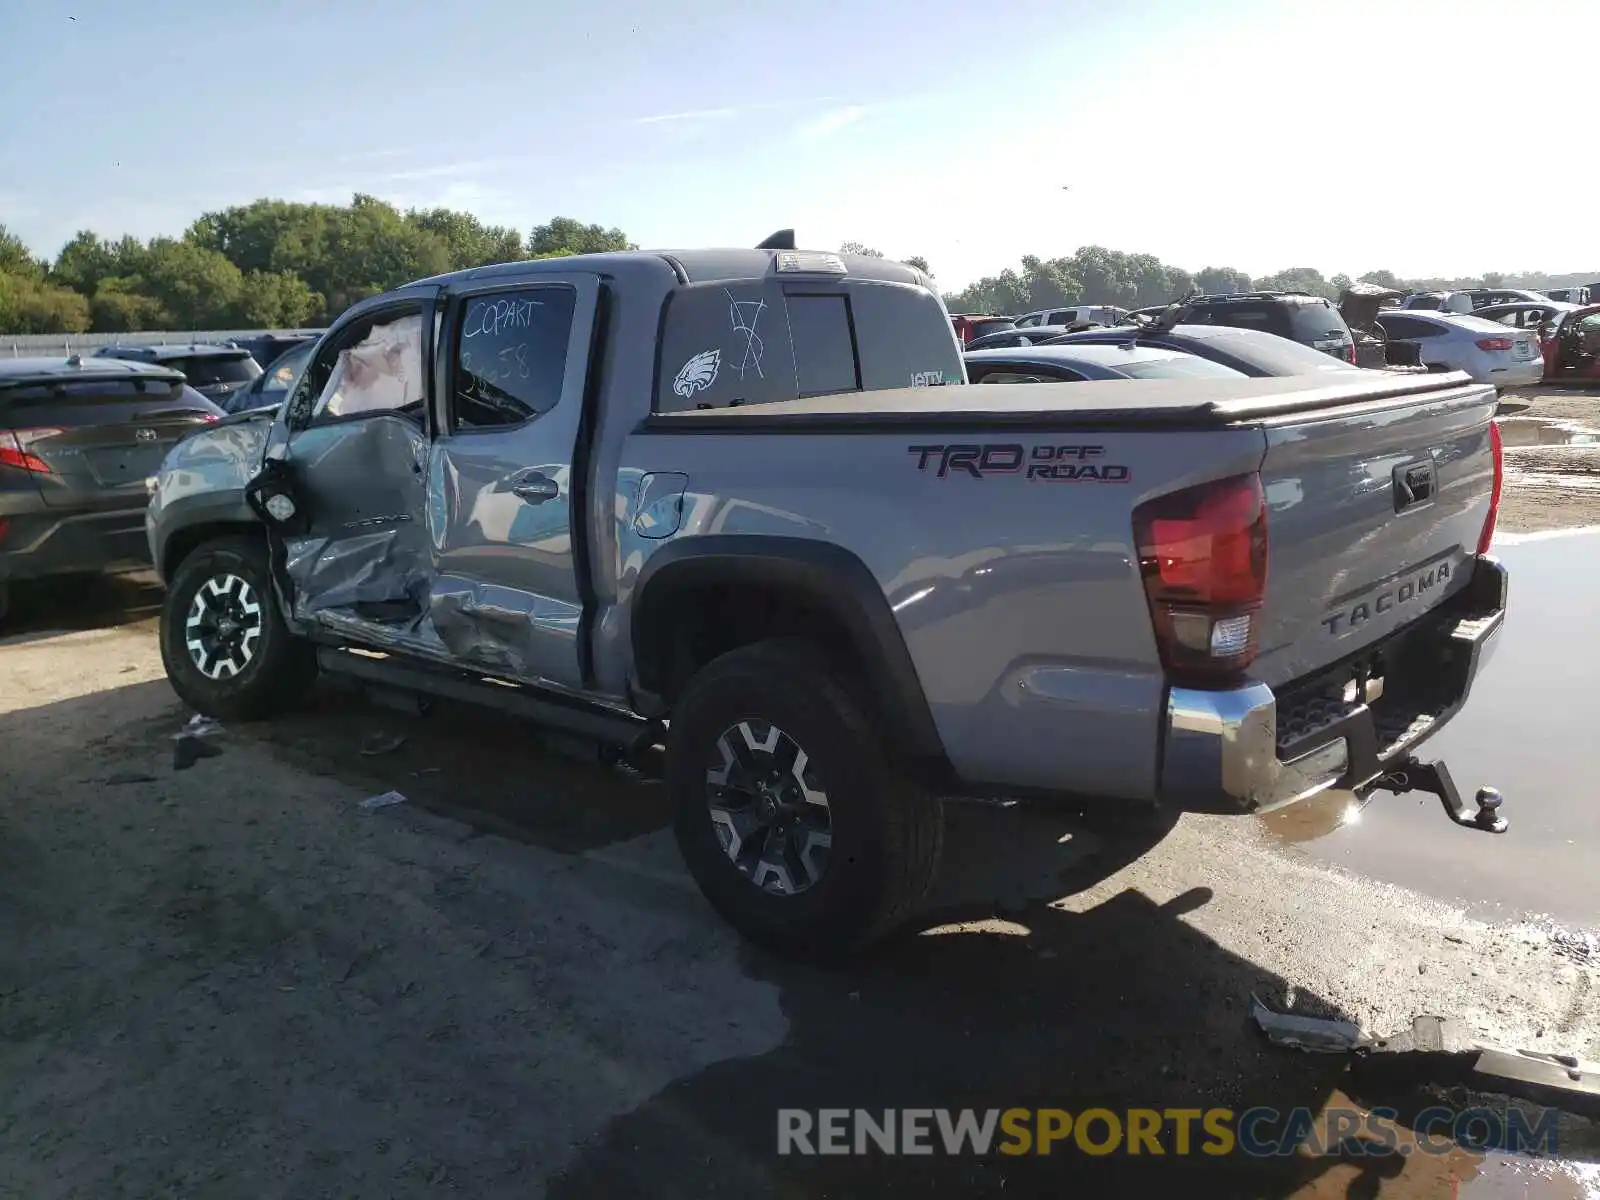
[
  {"x": 1550, "y": 485},
  {"x": 231, "y": 980}
]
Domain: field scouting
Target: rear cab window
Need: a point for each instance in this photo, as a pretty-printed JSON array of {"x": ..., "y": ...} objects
[
  {"x": 758, "y": 341},
  {"x": 1245, "y": 314},
  {"x": 208, "y": 369},
  {"x": 1319, "y": 325}
]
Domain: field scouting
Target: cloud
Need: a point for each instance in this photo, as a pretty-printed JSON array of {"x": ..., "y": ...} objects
[
  {"x": 693, "y": 114},
  {"x": 830, "y": 123}
]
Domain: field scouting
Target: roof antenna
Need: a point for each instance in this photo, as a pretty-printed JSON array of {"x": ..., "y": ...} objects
[{"x": 782, "y": 240}]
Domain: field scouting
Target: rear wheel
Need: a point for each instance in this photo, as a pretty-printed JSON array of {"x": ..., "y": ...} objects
[
  {"x": 226, "y": 649},
  {"x": 794, "y": 820}
]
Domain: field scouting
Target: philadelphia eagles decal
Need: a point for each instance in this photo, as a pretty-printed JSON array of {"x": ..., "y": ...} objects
[{"x": 699, "y": 373}]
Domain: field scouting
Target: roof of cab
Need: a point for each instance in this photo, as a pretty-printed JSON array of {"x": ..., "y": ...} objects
[
  {"x": 690, "y": 266},
  {"x": 16, "y": 371}
]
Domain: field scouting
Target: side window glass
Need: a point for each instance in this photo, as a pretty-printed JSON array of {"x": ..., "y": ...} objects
[
  {"x": 1025, "y": 322},
  {"x": 510, "y": 356},
  {"x": 377, "y": 368}
]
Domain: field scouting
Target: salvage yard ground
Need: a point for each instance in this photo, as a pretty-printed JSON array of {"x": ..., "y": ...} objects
[{"x": 231, "y": 980}]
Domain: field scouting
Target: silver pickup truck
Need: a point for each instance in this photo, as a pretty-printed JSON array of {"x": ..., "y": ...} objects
[{"x": 743, "y": 504}]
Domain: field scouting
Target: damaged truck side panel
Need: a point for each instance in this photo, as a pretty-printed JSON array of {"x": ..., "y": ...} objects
[{"x": 721, "y": 498}]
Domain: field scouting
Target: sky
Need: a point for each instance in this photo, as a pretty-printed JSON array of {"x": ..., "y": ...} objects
[{"x": 1428, "y": 137}]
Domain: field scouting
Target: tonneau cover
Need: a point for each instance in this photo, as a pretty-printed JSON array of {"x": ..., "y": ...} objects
[{"x": 1164, "y": 403}]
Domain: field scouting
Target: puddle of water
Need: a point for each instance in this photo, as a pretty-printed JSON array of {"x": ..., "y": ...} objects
[
  {"x": 1527, "y": 730},
  {"x": 1516, "y": 432},
  {"x": 1456, "y": 1174}
]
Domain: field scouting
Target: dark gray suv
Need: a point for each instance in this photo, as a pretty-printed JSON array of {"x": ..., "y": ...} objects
[
  {"x": 216, "y": 372},
  {"x": 78, "y": 438},
  {"x": 1299, "y": 316}
]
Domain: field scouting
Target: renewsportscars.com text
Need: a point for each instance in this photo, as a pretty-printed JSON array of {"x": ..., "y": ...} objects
[{"x": 1257, "y": 1132}]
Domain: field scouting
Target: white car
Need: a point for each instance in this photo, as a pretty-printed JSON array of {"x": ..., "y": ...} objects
[
  {"x": 1487, "y": 350},
  {"x": 1081, "y": 314}
]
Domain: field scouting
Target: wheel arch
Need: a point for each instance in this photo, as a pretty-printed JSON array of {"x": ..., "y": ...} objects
[{"x": 824, "y": 579}]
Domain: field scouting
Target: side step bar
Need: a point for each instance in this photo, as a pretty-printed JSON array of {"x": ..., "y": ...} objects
[{"x": 583, "y": 720}]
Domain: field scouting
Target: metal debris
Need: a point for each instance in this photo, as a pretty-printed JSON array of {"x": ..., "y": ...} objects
[
  {"x": 386, "y": 800},
  {"x": 1318, "y": 1035},
  {"x": 198, "y": 727}
]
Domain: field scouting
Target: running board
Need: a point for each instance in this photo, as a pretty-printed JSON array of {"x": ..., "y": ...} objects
[{"x": 583, "y": 720}]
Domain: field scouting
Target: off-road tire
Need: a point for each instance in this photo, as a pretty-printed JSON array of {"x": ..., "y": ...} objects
[
  {"x": 280, "y": 668},
  {"x": 887, "y": 830}
]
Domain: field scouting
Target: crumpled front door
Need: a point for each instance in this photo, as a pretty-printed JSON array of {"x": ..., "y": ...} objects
[{"x": 367, "y": 552}]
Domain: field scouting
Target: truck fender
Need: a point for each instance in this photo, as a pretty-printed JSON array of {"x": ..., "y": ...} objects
[{"x": 830, "y": 579}]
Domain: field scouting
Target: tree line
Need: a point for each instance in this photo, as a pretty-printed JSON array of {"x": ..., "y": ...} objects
[
  {"x": 1095, "y": 275},
  {"x": 270, "y": 264},
  {"x": 277, "y": 264}
]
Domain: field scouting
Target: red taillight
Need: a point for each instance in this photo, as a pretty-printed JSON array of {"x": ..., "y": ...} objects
[
  {"x": 1203, "y": 555},
  {"x": 1350, "y": 354},
  {"x": 1494, "y": 343},
  {"x": 14, "y": 450},
  {"x": 1487, "y": 535}
]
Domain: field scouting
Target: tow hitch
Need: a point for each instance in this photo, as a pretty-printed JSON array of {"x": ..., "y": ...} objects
[{"x": 1414, "y": 776}]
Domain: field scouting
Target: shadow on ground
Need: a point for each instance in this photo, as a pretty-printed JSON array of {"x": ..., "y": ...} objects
[{"x": 41, "y": 608}]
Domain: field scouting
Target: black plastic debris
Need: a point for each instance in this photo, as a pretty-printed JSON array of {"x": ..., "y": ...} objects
[{"x": 187, "y": 751}]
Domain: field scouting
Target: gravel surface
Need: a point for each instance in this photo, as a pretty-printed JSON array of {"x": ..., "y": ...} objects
[{"x": 231, "y": 980}]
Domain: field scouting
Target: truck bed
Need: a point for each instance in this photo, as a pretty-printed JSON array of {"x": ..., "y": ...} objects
[{"x": 1168, "y": 404}]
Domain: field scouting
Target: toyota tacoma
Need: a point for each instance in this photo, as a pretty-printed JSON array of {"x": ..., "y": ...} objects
[{"x": 742, "y": 505}]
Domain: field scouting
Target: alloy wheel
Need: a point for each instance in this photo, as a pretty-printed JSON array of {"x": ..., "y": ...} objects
[
  {"x": 771, "y": 817},
  {"x": 223, "y": 628}
]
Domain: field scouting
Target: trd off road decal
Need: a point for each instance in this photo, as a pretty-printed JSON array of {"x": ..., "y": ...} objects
[
  {"x": 699, "y": 373},
  {"x": 1056, "y": 464}
]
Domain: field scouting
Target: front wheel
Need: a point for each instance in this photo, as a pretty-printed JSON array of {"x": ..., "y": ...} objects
[
  {"x": 797, "y": 824},
  {"x": 227, "y": 651}
]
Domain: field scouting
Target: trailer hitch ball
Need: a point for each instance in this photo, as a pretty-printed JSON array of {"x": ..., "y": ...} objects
[{"x": 1413, "y": 776}]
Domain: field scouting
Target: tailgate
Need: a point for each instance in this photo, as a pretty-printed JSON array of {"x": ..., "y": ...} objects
[{"x": 1374, "y": 515}]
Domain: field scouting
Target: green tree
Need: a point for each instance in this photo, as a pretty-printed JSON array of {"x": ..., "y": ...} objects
[
  {"x": 1386, "y": 279},
  {"x": 859, "y": 248},
  {"x": 1298, "y": 279},
  {"x": 469, "y": 242},
  {"x": 1339, "y": 282},
  {"x": 1219, "y": 281},
  {"x": 1497, "y": 279},
  {"x": 30, "y": 305},
  {"x": 85, "y": 261},
  {"x": 920, "y": 263},
  {"x": 15, "y": 258},
  {"x": 561, "y": 236},
  {"x": 117, "y": 307},
  {"x": 276, "y": 300}
]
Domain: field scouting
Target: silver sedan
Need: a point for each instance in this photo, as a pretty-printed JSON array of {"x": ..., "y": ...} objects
[{"x": 1486, "y": 350}]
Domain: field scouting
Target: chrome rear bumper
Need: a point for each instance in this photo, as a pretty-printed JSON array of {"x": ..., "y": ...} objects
[{"x": 1221, "y": 748}]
